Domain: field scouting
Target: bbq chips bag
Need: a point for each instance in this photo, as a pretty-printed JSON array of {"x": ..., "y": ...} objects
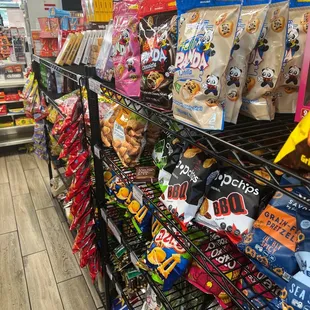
[
  {"x": 250, "y": 25},
  {"x": 288, "y": 84},
  {"x": 206, "y": 36},
  {"x": 272, "y": 243},
  {"x": 232, "y": 204},
  {"x": 158, "y": 40},
  {"x": 190, "y": 179},
  {"x": 265, "y": 64},
  {"x": 295, "y": 153}
]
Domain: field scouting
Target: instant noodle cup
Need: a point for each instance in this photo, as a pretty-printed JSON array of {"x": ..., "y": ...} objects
[
  {"x": 189, "y": 181},
  {"x": 249, "y": 28},
  {"x": 272, "y": 243},
  {"x": 206, "y": 37},
  {"x": 265, "y": 64},
  {"x": 286, "y": 93},
  {"x": 158, "y": 41}
]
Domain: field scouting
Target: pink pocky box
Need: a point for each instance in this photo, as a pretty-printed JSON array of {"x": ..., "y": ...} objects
[
  {"x": 126, "y": 48},
  {"x": 303, "y": 102}
]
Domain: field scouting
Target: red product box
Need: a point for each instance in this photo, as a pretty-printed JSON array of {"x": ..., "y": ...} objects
[{"x": 3, "y": 109}]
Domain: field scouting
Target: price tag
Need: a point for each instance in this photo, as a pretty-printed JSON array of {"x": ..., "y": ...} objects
[
  {"x": 109, "y": 273},
  {"x": 134, "y": 259},
  {"x": 95, "y": 86},
  {"x": 115, "y": 231},
  {"x": 118, "y": 289},
  {"x": 137, "y": 194},
  {"x": 97, "y": 151},
  {"x": 104, "y": 215}
]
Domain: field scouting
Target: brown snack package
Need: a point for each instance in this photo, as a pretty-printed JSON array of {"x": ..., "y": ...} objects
[
  {"x": 249, "y": 28},
  {"x": 286, "y": 93},
  {"x": 265, "y": 64},
  {"x": 206, "y": 37},
  {"x": 128, "y": 137}
]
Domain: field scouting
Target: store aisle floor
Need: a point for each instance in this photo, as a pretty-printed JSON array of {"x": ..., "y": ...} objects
[{"x": 37, "y": 268}]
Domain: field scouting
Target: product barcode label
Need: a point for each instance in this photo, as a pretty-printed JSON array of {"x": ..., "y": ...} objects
[
  {"x": 97, "y": 151},
  {"x": 95, "y": 86},
  {"x": 109, "y": 273},
  {"x": 115, "y": 231},
  {"x": 137, "y": 194}
]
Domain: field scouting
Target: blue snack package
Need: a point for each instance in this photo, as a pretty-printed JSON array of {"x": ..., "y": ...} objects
[
  {"x": 272, "y": 243},
  {"x": 295, "y": 295},
  {"x": 206, "y": 33}
]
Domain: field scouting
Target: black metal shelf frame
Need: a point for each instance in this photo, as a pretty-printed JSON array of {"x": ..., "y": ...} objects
[{"x": 237, "y": 146}]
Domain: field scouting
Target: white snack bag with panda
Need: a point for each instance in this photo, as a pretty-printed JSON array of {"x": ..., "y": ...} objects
[
  {"x": 206, "y": 36},
  {"x": 265, "y": 64},
  {"x": 250, "y": 24},
  {"x": 286, "y": 92}
]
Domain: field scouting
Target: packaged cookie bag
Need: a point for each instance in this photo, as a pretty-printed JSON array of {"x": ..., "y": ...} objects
[
  {"x": 126, "y": 48},
  {"x": 129, "y": 137},
  {"x": 206, "y": 36},
  {"x": 286, "y": 93},
  {"x": 190, "y": 180},
  {"x": 158, "y": 41},
  {"x": 250, "y": 25},
  {"x": 265, "y": 64}
]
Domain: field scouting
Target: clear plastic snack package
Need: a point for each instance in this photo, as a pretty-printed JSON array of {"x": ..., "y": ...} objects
[
  {"x": 249, "y": 29},
  {"x": 265, "y": 64},
  {"x": 206, "y": 34},
  {"x": 286, "y": 92},
  {"x": 158, "y": 41}
]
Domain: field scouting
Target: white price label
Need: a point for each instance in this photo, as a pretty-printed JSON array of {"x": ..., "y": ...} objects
[
  {"x": 95, "y": 86},
  {"x": 137, "y": 194},
  {"x": 134, "y": 259},
  {"x": 104, "y": 214},
  {"x": 115, "y": 231},
  {"x": 97, "y": 151},
  {"x": 118, "y": 289},
  {"x": 109, "y": 273}
]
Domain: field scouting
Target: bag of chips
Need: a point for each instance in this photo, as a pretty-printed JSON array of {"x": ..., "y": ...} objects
[
  {"x": 286, "y": 93},
  {"x": 272, "y": 243},
  {"x": 126, "y": 48},
  {"x": 250, "y": 25},
  {"x": 128, "y": 137},
  {"x": 190, "y": 180},
  {"x": 295, "y": 153},
  {"x": 206, "y": 36},
  {"x": 232, "y": 204},
  {"x": 265, "y": 64},
  {"x": 158, "y": 40}
]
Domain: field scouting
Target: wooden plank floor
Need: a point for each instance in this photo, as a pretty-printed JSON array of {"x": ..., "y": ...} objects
[{"x": 37, "y": 268}]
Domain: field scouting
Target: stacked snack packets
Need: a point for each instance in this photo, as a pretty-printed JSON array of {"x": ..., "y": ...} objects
[{"x": 79, "y": 195}]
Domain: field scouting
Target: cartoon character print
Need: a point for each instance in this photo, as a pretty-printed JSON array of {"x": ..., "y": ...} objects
[
  {"x": 205, "y": 45},
  {"x": 130, "y": 64},
  {"x": 267, "y": 77},
  {"x": 211, "y": 84},
  {"x": 234, "y": 76},
  {"x": 124, "y": 37},
  {"x": 163, "y": 40},
  {"x": 292, "y": 43},
  {"x": 261, "y": 47},
  {"x": 292, "y": 75},
  {"x": 237, "y": 38}
]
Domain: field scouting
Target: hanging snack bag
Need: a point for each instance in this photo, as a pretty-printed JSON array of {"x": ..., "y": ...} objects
[
  {"x": 158, "y": 41},
  {"x": 206, "y": 36},
  {"x": 128, "y": 137},
  {"x": 190, "y": 180},
  {"x": 250, "y": 25},
  {"x": 265, "y": 64},
  {"x": 288, "y": 84},
  {"x": 295, "y": 153},
  {"x": 126, "y": 48},
  {"x": 272, "y": 243},
  {"x": 232, "y": 204}
]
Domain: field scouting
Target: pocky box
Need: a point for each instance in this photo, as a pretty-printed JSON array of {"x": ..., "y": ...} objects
[{"x": 206, "y": 37}]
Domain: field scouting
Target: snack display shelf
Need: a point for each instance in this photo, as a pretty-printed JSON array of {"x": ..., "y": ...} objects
[
  {"x": 13, "y": 101},
  {"x": 248, "y": 146},
  {"x": 15, "y": 139},
  {"x": 50, "y": 98},
  {"x": 12, "y": 83},
  {"x": 74, "y": 72},
  {"x": 13, "y": 114},
  {"x": 14, "y": 129},
  {"x": 150, "y": 194}
]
